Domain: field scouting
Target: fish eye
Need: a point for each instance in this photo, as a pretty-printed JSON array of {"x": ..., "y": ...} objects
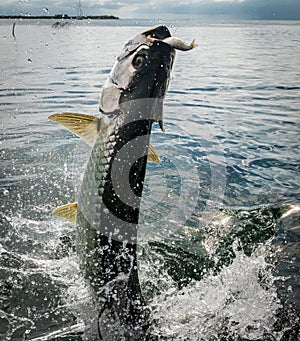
[{"x": 139, "y": 61}]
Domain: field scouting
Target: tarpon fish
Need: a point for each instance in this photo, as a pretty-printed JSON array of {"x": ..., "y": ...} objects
[{"x": 107, "y": 208}]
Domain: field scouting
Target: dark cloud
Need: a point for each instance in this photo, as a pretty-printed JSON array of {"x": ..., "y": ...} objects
[{"x": 248, "y": 9}]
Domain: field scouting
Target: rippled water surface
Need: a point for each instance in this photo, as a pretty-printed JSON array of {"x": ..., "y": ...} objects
[{"x": 219, "y": 233}]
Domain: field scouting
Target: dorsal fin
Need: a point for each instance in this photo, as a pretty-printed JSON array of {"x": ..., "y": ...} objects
[
  {"x": 85, "y": 126},
  {"x": 67, "y": 212}
]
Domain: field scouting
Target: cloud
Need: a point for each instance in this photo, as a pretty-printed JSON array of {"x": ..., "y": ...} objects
[
  {"x": 40, "y": 7},
  {"x": 251, "y": 9}
]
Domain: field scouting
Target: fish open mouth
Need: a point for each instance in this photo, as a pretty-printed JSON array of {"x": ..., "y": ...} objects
[
  {"x": 142, "y": 70},
  {"x": 163, "y": 34}
]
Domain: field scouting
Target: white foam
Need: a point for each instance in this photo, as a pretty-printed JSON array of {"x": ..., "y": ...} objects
[{"x": 236, "y": 299}]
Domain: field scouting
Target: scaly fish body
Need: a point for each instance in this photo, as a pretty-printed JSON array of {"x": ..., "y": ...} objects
[
  {"x": 108, "y": 230},
  {"x": 107, "y": 209}
]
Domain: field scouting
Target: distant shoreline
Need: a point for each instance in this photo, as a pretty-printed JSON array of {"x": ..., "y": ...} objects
[{"x": 58, "y": 16}]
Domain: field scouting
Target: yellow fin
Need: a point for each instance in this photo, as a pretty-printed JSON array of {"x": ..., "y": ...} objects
[
  {"x": 152, "y": 155},
  {"x": 193, "y": 44},
  {"x": 67, "y": 212},
  {"x": 85, "y": 126}
]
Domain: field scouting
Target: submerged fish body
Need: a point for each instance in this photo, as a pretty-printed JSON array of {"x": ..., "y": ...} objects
[{"x": 107, "y": 209}]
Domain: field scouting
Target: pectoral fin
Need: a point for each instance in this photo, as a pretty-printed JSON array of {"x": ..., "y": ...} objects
[
  {"x": 67, "y": 212},
  {"x": 85, "y": 126},
  {"x": 152, "y": 155}
]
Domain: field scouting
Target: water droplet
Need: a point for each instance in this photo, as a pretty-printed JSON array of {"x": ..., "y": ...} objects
[
  {"x": 29, "y": 60},
  {"x": 6, "y": 192}
]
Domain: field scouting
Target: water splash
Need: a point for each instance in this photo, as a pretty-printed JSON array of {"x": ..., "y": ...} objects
[{"x": 240, "y": 302}]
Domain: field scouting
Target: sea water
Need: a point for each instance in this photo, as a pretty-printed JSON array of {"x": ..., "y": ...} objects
[{"x": 219, "y": 228}]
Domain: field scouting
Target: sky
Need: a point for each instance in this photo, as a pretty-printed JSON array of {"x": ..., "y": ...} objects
[{"x": 240, "y": 9}]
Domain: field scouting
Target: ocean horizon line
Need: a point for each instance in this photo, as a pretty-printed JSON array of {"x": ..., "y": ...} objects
[{"x": 59, "y": 16}]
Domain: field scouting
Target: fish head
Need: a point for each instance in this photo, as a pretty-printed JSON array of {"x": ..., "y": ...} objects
[{"x": 141, "y": 73}]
